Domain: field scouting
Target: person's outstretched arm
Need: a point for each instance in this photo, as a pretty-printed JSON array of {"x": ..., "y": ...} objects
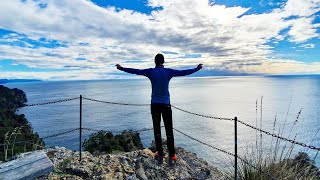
[
  {"x": 185, "y": 72},
  {"x": 143, "y": 72}
]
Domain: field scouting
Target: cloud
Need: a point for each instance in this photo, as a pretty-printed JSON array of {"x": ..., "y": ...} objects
[
  {"x": 308, "y": 46},
  {"x": 302, "y": 29},
  {"x": 302, "y": 8},
  {"x": 155, "y": 3},
  {"x": 73, "y": 74},
  {"x": 95, "y": 38}
]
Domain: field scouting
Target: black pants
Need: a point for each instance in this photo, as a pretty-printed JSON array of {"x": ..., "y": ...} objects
[{"x": 165, "y": 110}]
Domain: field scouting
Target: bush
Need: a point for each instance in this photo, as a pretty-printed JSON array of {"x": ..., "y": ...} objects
[{"x": 104, "y": 141}]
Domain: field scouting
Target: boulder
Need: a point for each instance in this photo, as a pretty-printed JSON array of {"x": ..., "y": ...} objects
[{"x": 27, "y": 166}]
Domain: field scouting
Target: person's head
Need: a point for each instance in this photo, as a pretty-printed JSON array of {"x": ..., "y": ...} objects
[{"x": 159, "y": 59}]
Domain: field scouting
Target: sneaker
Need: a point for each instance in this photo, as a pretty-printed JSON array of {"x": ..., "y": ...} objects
[
  {"x": 172, "y": 160},
  {"x": 158, "y": 157}
]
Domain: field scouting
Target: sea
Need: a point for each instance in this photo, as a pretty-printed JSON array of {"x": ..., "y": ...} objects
[{"x": 287, "y": 106}]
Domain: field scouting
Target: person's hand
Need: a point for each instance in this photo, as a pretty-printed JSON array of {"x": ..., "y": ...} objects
[
  {"x": 199, "y": 66},
  {"x": 118, "y": 66}
]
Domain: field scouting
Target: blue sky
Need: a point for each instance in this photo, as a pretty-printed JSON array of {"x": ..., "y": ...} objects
[{"x": 64, "y": 40}]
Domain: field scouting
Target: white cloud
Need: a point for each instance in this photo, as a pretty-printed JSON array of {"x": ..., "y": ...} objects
[
  {"x": 67, "y": 75},
  {"x": 302, "y": 29},
  {"x": 308, "y": 45},
  {"x": 155, "y": 3},
  {"x": 215, "y": 31},
  {"x": 303, "y": 8}
]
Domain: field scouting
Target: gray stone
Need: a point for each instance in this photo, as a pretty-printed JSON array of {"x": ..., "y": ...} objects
[
  {"x": 28, "y": 166},
  {"x": 141, "y": 174}
]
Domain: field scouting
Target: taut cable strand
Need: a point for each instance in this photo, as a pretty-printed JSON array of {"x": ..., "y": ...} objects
[
  {"x": 201, "y": 115},
  {"x": 279, "y": 137},
  {"x": 116, "y": 103},
  {"x": 51, "y": 102},
  {"x": 204, "y": 143},
  {"x": 131, "y": 104},
  {"x": 258, "y": 129},
  {"x": 59, "y": 134},
  {"x": 140, "y": 130}
]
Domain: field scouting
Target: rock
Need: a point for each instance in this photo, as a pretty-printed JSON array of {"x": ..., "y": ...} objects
[
  {"x": 139, "y": 164},
  {"x": 132, "y": 177},
  {"x": 60, "y": 177},
  {"x": 140, "y": 170},
  {"x": 118, "y": 175},
  {"x": 82, "y": 170},
  {"x": 27, "y": 166}
]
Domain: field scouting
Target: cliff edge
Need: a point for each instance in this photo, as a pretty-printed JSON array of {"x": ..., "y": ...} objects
[{"x": 139, "y": 164}]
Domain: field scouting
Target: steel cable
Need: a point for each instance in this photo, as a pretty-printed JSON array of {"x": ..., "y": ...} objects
[
  {"x": 51, "y": 102},
  {"x": 279, "y": 137},
  {"x": 116, "y": 103},
  {"x": 201, "y": 115}
]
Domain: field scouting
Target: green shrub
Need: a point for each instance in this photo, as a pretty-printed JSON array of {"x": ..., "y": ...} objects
[{"x": 104, "y": 141}]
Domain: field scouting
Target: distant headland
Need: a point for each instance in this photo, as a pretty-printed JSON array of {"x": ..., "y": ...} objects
[{"x": 4, "y": 81}]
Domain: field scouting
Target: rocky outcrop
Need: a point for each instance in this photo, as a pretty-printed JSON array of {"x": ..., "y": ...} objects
[{"x": 139, "y": 164}]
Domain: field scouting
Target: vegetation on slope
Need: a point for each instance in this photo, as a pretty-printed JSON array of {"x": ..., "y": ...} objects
[
  {"x": 24, "y": 139},
  {"x": 104, "y": 141}
]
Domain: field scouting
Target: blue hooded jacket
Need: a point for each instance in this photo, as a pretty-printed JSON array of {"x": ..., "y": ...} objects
[{"x": 160, "y": 77}]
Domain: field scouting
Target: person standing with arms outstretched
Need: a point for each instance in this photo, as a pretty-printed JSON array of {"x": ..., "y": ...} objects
[{"x": 160, "y": 101}]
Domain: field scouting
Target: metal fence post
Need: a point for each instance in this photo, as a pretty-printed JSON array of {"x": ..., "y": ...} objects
[
  {"x": 80, "y": 129},
  {"x": 235, "y": 149}
]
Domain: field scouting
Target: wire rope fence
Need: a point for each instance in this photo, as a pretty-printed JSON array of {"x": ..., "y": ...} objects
[{"x": 235, "y": 120}]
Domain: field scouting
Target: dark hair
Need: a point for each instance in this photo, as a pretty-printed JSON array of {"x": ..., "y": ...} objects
[{"x": 159, "y": 59}]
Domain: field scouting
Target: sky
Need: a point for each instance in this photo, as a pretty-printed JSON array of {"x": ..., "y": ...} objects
[{"x": 83, "y": 39}]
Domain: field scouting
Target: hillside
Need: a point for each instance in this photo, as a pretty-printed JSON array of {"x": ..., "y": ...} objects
[{"x": 10, "y": 101}]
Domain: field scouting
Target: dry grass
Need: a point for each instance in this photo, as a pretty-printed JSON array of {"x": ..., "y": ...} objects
[{"x": 276, "y": 161}]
